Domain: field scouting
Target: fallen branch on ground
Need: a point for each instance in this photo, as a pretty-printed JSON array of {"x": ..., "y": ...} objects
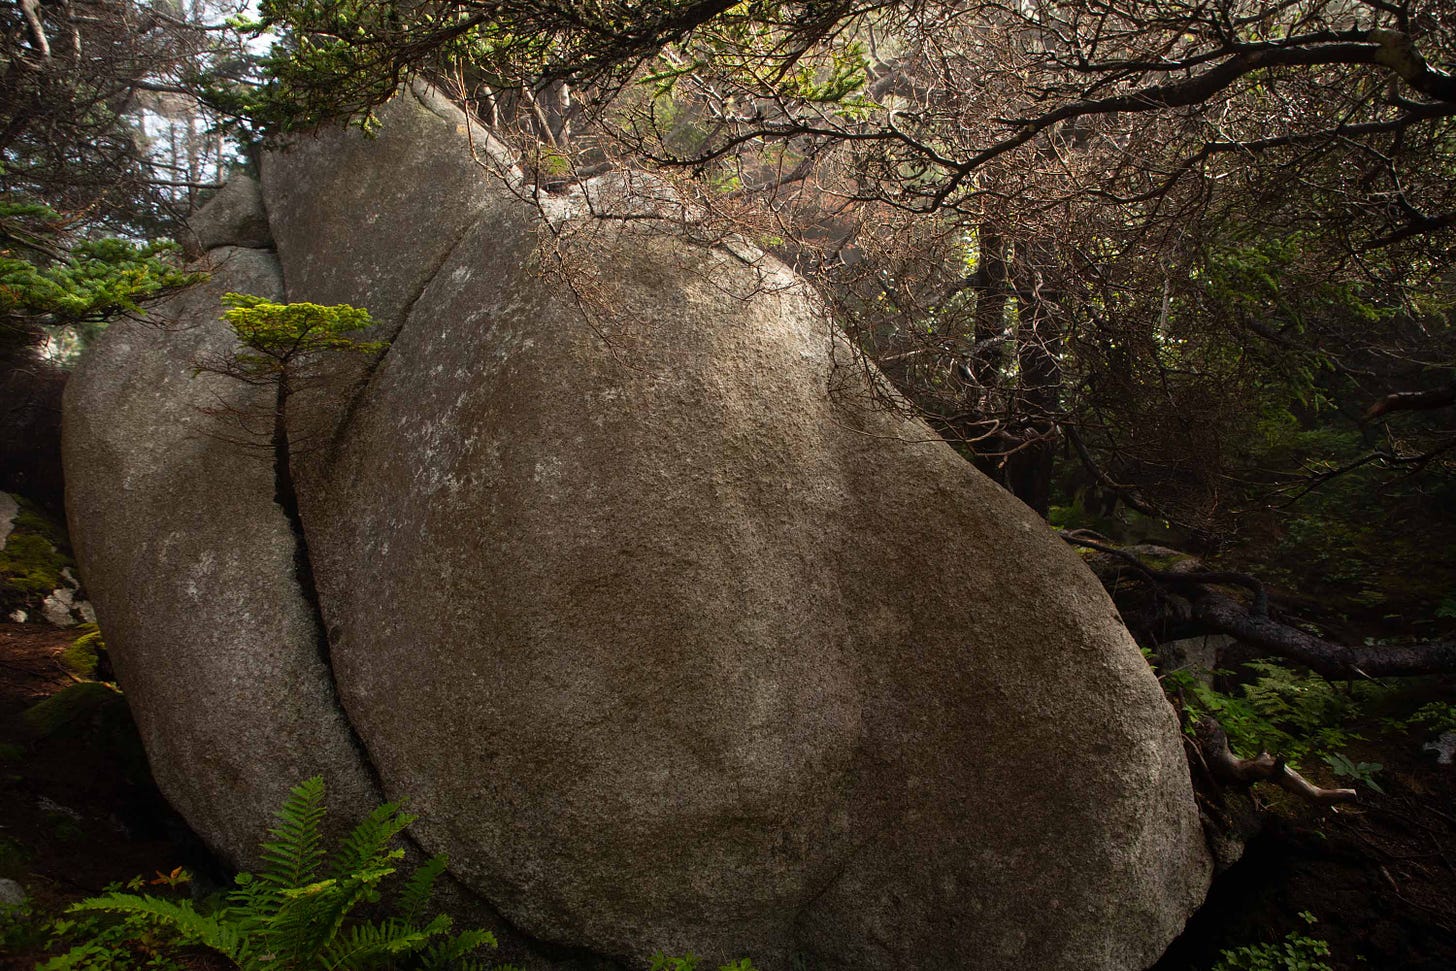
[
  {"x": 1228, "y": 769},
  {"x": 1221, "y": 613}
]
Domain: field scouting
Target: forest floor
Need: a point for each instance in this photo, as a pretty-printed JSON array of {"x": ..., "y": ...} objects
[
  {"x": 79, "y": 809},
  {"x": 1379, "y": 876}
]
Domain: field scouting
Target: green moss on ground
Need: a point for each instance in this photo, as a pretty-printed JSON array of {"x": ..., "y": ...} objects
[
  {"x": 83, "y": 656},
  {"x": 31, "y": 562},
  {"x": 75, "y": 708},
  {"x": 92, "y": 712}
]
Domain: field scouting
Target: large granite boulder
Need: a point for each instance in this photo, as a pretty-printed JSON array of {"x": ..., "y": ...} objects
[
  {"x": 172, "y": 511},
  {"x": 671, "y": 648}
]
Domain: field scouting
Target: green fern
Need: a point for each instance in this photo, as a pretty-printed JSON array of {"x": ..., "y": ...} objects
[
  {"x": 293, "y": 858},
  {"x": 292, "y": 917},
  {"x": 1298, "y": 716},
  {"x": 367, "y": 945},
  {"x": 179, "y": 917},
  {"x": 458, "y": 954},
  {"x": 415, "y": 895},
  {"x": 370, "y": 840},
  {"x": 1296, "y": 952}
]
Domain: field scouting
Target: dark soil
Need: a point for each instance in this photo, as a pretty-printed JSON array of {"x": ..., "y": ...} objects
[
  {"x": 78, "y": 811},
  {"x": 78, "y": 808},
  {"x": 1378, "y": 875}
]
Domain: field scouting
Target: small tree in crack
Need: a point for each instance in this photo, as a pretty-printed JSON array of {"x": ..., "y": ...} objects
[
  {"x": 281, "y": 345},
  {"x": 287, "y": 348}
]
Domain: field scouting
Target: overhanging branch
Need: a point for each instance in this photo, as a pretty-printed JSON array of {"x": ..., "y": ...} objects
[{"x": 1221, "y": 613}]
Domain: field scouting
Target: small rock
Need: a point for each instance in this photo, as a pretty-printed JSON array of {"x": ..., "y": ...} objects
[
  {"x": 1444, "y": 747},
  {"x": 49, "y": 805},
  {"x": 9, "y": 508},
  {"x": 234, "y": 217},
  {"x": 19, "y": 616},
  {"x": 12, "y": 894},
  {"x": 57, "y": 608}
]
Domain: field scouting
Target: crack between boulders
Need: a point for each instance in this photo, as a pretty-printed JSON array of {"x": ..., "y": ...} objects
[
  {"x": 285, "y": 495},
  {"x": 286, "y": 498},
  {"x": 356, "y": 396}
]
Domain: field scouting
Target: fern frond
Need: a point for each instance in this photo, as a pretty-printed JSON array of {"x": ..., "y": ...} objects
[
  {"x": 308, "y": 918},
  {"x": 414, "y": 896},
  {"x": 457, "y": 953},
  {"x": 289, "y": 918},
  {"x": 251, "y": 903},
  {"x": 180, "y": 916},
  {"x": 293, "y": 856},
  {"x": 439, "y": 924},
  {"x": 367, "y": 844},
  {"x": 369, "y": 944}
]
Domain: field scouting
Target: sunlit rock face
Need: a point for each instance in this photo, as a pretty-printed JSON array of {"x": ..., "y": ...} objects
[
  {"x": 174, "y": 515},
  {"x": 671, "y": 648}
]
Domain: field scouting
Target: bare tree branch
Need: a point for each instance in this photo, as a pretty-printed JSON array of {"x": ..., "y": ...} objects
[
  {"x": 1253, "y": 624},
  {"x": 1441, "y": 397},
  {"x": 1230, "y": 770}
]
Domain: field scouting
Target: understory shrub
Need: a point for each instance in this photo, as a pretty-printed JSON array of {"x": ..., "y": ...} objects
[
  {"x": 305, "y": 910},
  {"x": 1296, "y": 952}
]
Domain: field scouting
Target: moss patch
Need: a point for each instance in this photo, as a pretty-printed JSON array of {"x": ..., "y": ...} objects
[
  {"x": 35, "y": 553},
  {"x": 95, "y": 713},
  {"x": 76, "y": 708},
  {"x": 83, "y": 657}
]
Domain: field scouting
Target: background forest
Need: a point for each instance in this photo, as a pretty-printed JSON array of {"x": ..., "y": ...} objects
[{"x": 1178, "y": 274}]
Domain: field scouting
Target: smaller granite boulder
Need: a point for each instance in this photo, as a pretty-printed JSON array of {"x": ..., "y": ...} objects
[
  {"x": 12, "y": 894},
  {"x": 210, "y": 617},
  {"x": 233, "y": 217}
]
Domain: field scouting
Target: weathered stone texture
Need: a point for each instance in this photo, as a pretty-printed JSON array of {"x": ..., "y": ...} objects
[
  {"x": 213, "y": 639},
  {"x": 671, "y": 648},
  {"x": 235, "y": 216}
]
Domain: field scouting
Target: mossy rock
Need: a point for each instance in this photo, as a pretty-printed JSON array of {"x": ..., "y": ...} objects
[
  {"x": 95, "y": 714},
  {"x": 72, "y": 708},
  {"x": 31, "y": 566},
  {"x": 85, "y": 655},
  {"x": 15, "y": 858},
  {"x": 32, "y": 559}
]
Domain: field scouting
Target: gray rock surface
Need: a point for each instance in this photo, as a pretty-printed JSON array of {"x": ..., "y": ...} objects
[
  {"x": 234, "y": 217},
  {"x": 733, "y": 668},
  {"x": 61, "y": 608},
  {"x": 193, "y": 570},
  {"x": 9, "y": 508},
  {"x": 1444, "y": 748},
  {"x": 671, "y": 648},
  {"x": 12, "y": 894},
  {"x": 367, "y": 242}
]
